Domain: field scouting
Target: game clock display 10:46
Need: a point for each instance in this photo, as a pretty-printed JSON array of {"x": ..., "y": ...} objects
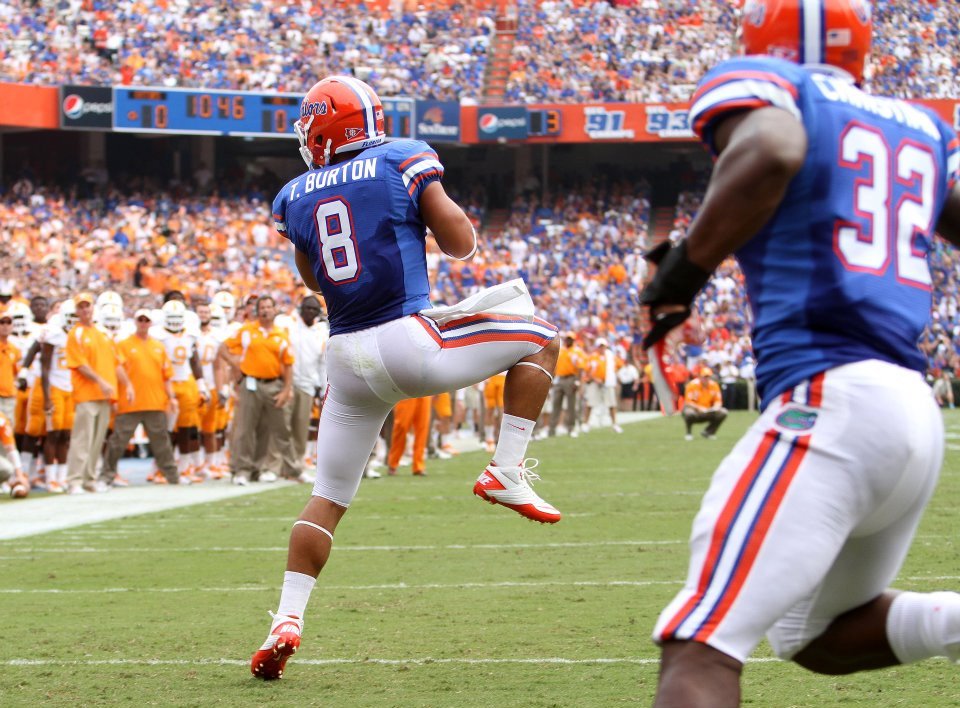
[{"x": 154, "y": 110}]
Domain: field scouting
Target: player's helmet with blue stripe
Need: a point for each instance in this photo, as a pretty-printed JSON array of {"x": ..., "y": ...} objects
[
  {"x": 339, "y": 114},
  {"x": 835, "y": 32}
]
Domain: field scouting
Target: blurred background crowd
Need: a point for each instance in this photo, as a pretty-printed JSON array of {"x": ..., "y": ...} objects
[{"x": 565, "y": 51}]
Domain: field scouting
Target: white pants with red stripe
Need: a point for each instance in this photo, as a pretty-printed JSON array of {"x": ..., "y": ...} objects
[
  {"x": 812, "y": 513},
  {"x": 371, "y": 370}
]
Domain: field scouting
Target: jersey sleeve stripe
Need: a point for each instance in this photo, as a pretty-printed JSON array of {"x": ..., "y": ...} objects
[
  {"x": 732, "y": 76},
  {"x": 748, "y": 93},
  {"x": 420, "y": 178},
  {"x": 421, "y": 167},
  {"x": 419, "y": 156},
  {"x": 701, "y": 122}
]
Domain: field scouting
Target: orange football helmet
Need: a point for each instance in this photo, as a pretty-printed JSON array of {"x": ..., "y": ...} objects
[
  {"x": 339, "y": 114},
  {"x": 835, "y": 32}
]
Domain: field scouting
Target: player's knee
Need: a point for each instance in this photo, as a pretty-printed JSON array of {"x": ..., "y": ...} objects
[
  {"x": 815, "y": 655},
  {"x": 821, "y": 660}
]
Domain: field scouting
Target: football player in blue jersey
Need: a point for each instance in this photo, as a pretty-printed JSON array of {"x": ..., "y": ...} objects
[
  {"x": 829, "y": 197},
  {"x": 358, "y": 219}
]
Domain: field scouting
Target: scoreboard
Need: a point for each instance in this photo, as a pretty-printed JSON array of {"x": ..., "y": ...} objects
[
  {"x": 205, "y": 112},
  {"x": 544, "y": 122},
  {"x": 212, "y": 112}
]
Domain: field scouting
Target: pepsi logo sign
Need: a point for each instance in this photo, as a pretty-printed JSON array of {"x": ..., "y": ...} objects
[
  {"x": 73, "y": 106},
  {"x": 488, "y": 123}
]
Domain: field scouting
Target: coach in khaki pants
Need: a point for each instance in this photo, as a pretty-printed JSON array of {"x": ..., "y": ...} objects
[
  {"x": 94, "y": 372},
  {"x": 145, "y": 361},
  {"x": 261, "y": 352}
]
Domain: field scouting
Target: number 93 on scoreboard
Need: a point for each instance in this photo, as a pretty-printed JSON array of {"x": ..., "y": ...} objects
[{"x": 205, "y": 112}]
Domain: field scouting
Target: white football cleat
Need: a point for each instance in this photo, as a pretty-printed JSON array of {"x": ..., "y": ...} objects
[
  {"x": 282, "y": 643},
  {"x": 510, "y": 487}
]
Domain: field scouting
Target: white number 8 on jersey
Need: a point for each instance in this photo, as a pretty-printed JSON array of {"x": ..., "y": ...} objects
[{"x": 338, "y": 249}]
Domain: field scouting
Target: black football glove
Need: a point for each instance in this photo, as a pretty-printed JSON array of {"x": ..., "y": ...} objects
[{"x": 676, "y": 282}]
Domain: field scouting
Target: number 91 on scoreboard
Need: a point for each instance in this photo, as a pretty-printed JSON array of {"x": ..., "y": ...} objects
[{"x": 155, "y": 110}]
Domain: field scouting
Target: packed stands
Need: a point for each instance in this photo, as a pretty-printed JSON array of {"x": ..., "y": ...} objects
[
  {"x": 252, "y": 45},
  {"x": 564, "y": 52}
]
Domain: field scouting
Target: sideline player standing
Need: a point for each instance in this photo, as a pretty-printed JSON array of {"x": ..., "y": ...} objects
[
  {"x": 358, "y": 221},
  {"x": 829, "y": 197}
]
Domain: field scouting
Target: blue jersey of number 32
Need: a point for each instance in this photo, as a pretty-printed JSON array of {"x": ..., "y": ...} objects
[
  {"x": 359, "y": 223},
  {"x": 839, "y": 274}
]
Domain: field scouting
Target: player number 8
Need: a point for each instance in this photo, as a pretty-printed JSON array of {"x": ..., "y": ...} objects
[{"x": 338, "y": 248}]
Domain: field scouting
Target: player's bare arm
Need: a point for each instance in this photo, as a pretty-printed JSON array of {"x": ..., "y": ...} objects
[
  {"x": 306, "y": 270},
  {"x": 760, "y": 153},
  {"x": 450, "y": 226},
  {"x": 949, "y": 224}
]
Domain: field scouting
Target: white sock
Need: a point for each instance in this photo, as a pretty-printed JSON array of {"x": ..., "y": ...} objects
[
  {"x": 922, "y": 625},
  {"x": 515, "y": 434},
  {"x": 61, "y": 472},
  {"x": 27, "y": 461},
  {"x": 488, "y": 431},
  {"x": 295, "y": 594}
]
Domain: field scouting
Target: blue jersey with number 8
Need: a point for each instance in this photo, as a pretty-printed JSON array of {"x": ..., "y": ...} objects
[
  {"x": 359, "y": 223},
  {"x": 840, "y": 272}
]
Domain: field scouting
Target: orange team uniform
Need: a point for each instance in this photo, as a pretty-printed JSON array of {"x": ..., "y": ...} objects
[
  {"x": 411, "y": 413},
  {"x": 7, "y": 440},
  {"x": 90, "y": 346},
  {"x": 9, "y": 366},
  {"x": 262, "y": 354},
  {"x": 569, "y": 361},
  {"x": 207, "y": 346},
  {"x": 704, "y": 393},
  {"x": 142, "y": 359},
  {"x": 442, "y": 405},
  {"x": 179, "y": 349},
  {"x": 493, "y": 392},
  {"x": 61, "y": 390}
]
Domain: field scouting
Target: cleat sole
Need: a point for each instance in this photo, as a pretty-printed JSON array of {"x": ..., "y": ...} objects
[{"x": 536, "y": 516}]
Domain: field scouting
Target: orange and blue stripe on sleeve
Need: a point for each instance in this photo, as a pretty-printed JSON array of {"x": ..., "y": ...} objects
[
  {"x": 485, "y": 328},
  {"x": 737, "y": 90},
  {"x": 419, "y": 170}
]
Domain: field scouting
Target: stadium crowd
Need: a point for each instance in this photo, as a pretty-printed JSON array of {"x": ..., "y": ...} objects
[
  {"x": 261, "y": 45},
  {"x": 565, "y": 51}
]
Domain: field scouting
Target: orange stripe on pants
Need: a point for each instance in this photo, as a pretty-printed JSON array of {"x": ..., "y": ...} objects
[{"x": 411, "y": 413}]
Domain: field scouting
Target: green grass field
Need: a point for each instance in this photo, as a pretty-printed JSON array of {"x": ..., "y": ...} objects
[{"x": 431, "y": 597}]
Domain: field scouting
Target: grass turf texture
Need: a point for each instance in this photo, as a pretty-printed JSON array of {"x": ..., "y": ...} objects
[{"x": 431, "y": 597}]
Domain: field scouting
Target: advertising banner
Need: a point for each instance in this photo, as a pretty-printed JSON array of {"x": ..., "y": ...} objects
[
  {"x": 438, "y": 121},
  {"x": 501, "y": 123},
  {"x": 86, "y": 107}
]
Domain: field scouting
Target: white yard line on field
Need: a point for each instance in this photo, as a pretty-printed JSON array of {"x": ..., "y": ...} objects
[
  {"x": 426, "y": 661},
  {"x": 383, "y": 586},
  {"x": 23, "y": 551},
  {"x": 506, "y": 584}
]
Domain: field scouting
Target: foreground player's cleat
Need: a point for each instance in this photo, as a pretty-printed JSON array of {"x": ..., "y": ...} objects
[
  {"x": 510, "y": 486},
  {"x": 282, "y": 643}
]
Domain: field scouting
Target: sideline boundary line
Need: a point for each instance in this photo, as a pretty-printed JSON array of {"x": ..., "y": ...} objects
[{"x": 36, "y": 516}]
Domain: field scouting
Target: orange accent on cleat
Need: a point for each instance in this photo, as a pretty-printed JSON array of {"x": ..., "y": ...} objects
[
  {"x": 269, "y": 661},
  {"x": 510, "y": 487}
]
